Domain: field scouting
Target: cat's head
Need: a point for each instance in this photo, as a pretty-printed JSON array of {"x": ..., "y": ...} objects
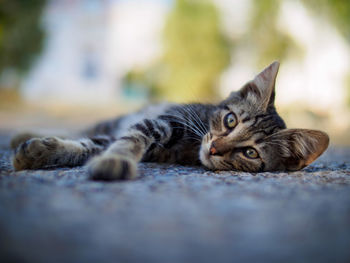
[{"x": 247, "y": 134}]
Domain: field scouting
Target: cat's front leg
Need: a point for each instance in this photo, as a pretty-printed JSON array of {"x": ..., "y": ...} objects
[
  {"x": 119, "y": 161},
  {"x": 112, "y": 167},
  {"x": 47, "y": 152}
]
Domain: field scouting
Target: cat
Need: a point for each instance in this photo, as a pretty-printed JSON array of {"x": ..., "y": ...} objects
[{"x": 243, "y": 133}]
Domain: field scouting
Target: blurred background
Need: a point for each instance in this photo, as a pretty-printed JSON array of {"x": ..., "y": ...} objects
[{"x": 68, "y": 63}]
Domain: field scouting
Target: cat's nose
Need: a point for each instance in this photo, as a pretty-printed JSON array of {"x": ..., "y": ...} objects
[{"x": 213, "y": 150}]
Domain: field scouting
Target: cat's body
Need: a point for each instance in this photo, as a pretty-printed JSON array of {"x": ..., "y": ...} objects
[
  {"x": 185, "y": 140},
  {"x": 243, "y": 132}
]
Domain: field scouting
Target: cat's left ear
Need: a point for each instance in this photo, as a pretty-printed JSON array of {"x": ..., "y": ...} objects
[
  {"x": 261, "y": 90},
  {"x": 293, "y": 149}
]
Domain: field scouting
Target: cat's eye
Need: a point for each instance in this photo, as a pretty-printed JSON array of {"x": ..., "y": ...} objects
[
  {"x": 251, "y": 153},
  {"x": 230, "y": 120}
]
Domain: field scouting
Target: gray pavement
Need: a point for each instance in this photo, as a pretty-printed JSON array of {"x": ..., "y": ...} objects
[{"x": 176, "y": 214}]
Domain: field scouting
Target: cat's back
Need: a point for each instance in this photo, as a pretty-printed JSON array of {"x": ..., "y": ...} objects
[{"x": 119, "y": 126}]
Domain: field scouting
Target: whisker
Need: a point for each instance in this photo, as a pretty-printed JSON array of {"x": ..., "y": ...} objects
[
  {"x": 192, "y": 121},
  {"x": 186, "y": 123},
  {"x": 201, "y": 124},
  {"x": 191, "y": 128},
  {"x": 196, "y": 119}
]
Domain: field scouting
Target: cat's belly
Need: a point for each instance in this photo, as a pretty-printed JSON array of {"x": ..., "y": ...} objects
[{"x": 181, "y": 154}]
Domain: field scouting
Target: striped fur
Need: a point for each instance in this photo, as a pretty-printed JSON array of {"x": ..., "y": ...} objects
[{"x": 256, "y": 139}]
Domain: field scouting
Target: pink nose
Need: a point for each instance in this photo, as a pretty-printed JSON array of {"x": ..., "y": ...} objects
[{"x": 213, "y": 150}]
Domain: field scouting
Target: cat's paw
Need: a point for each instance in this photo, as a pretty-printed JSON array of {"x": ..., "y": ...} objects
[
  {"x": 112, "y": 167},
  {"x": 35, "y": 153},
  {"x": 21, "y": 138}
]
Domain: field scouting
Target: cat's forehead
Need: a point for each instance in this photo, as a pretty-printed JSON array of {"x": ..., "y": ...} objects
[
  {"x": 268, "y": 121},
  {"x": 252, "y": 120},
  {"x": 244, "y": 109}
]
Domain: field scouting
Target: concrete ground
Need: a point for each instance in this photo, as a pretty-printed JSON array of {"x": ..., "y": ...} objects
[{"x": 176, "y": 214}]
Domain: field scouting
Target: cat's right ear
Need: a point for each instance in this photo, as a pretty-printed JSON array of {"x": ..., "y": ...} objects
[{"x": 261, "y": 90}]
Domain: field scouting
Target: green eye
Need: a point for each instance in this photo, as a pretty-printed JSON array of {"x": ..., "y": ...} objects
[
  {"x": 251, "y": 153},
  {"x": 230, "y": 121}
]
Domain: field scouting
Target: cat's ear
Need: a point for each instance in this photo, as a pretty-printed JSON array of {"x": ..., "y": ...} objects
[
  {"x": 296, "y": 148},
  {"x": 261, "y": 90}
]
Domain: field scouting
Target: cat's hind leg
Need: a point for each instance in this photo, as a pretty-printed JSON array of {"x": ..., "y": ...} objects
[{"x": 48, "y": 152}]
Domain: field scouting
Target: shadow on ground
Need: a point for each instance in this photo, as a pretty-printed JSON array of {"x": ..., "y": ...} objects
[{"x": 176, "y": 214}]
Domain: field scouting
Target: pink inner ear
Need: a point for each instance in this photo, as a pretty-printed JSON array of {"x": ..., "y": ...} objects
[
  {"x": 311, "y": 158},
  {"x": 322, "y": 144}
]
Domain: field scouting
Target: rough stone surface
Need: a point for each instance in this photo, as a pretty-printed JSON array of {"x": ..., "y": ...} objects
[{"x": 176, "y": 214}]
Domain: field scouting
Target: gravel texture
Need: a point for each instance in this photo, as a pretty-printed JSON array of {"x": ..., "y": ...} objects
[{"x": 176, "y": 214}]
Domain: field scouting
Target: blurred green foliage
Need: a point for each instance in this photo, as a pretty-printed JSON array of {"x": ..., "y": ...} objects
[
  {"x": 266, "y": 39},
  {"x": 337, "y": 10},
  {"x": 21, "y": 36},
  {"x": 195, "y": 51}
]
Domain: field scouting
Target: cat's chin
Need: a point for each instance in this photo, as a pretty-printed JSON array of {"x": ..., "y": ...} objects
[
  {"x": 207, "y": 163},
  {"x": 205, "y": 158}
]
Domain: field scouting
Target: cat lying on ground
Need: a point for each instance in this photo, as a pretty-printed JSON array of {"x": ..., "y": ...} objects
[{"x": 243, "y": 133}]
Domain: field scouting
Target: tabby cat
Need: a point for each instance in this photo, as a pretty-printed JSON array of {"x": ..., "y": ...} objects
[{"x": 242, "y": 133}]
